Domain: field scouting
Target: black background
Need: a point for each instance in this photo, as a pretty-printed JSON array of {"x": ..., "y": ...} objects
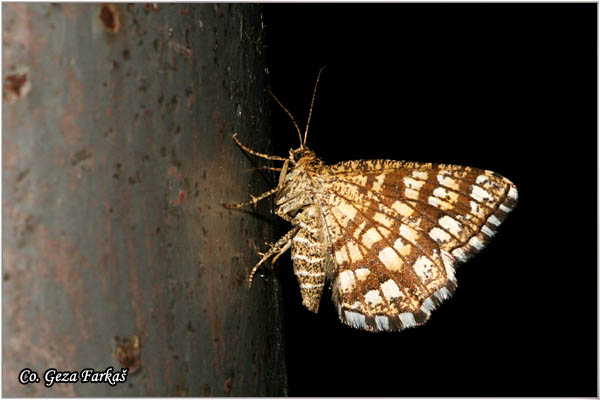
[{"x": 505, "y": 87}]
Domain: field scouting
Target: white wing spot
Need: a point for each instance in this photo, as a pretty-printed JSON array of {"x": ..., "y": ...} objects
[
  {"x": 383, "y": 219},
  {"x": 423, "y": 268},
  {"x": 403, "y": 249},
  {"x": 373, "y": 297},
  {"x": 343, "y": 212},
  {"x": 371, "y": 237},
  {"x": 480, "y": 194},
  {"x": 434, "y": 201},
  {"x": 362, "y": 273},
  {"x": 475, "y": 209},
  {"x": 449, "y": 198},
  {"x": 445, "y": 180},
  {"x": 413, "y": 183},
  {"x": 378, "y": 183},
  {"x": 346, "y": 281},
  {"x": 348, "y": 209},
  {"x": 411, "y": 194},
  {"x": 389, "y": 258},
  {"x": 354, "y": 252},
  {"x": 402, "y": 209},
  {"x": 408, "y": 233},
  {"x": 439, "y": 235},
  {"x": 420, "y": 175},
  {"x": 391, "y": 290},
  {"x": 450, "y": 224},
  {"x": 340, "y": 256},
  {"x": 440, "y": 192},
  {"x": 482, "y": 179}
]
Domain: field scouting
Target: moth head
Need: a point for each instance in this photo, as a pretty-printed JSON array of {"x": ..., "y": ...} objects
[{"x": 301, "y": 155}]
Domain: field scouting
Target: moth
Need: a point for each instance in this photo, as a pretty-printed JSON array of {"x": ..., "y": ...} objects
[{"x": 386, "y": 236}]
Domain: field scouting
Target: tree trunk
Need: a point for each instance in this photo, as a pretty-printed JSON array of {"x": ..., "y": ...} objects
[{"x": 117, "y": 155}]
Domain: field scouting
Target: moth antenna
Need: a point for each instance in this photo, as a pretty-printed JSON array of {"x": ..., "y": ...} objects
[
  {"x": 312, "y": 102},
  {"x": 291, "y": 116}
]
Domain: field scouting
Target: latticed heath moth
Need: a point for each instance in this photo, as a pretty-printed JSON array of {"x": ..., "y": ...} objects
[{"x": 385, "y": 235}]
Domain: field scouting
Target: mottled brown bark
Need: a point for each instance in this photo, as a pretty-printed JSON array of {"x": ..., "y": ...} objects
[{"x": 117, "y": 154}]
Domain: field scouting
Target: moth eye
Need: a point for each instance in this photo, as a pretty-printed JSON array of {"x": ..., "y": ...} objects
[{"x": 298, "y": 156}]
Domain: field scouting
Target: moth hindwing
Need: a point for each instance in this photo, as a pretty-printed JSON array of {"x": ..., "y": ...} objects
[{"x": 386, "y": 235}]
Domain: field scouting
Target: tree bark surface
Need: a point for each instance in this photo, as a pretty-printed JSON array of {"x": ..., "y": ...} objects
[{"x": 117, "y": 155}]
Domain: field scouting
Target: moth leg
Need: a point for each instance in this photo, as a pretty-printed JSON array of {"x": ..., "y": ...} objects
[
  {"x": 279, "y": 247},
  {"x": 256, "y": 153},
  {"x": 285, "y": 248},
  {"x": 254, "y": 199},
  {"x": 269, "y": 168},
  {"x": 284, "y": 216}
]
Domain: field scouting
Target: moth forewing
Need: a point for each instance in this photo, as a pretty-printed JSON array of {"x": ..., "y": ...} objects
[
  {"x": 386, "y": 234},
  {"x": 398, "y": 230}
]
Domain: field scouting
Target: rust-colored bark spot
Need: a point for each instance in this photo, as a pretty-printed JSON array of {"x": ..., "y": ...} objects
[
  {"x": 128, "y": 352},
  {"x": 228, "y": 386},
  {"x": 109, "y": 16},
  {"x": 15, "y": 86},
  {"x": 180, "y": 198}
]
